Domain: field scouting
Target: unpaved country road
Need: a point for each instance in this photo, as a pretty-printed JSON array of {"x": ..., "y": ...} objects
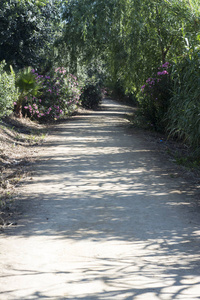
[{"x": 102, "y": 219}]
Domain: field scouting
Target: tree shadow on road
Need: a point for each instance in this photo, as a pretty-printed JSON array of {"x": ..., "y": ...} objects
[{"x": 93, "y": 186}]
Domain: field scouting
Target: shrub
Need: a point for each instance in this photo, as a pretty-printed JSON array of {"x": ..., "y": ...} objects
[
  {"x": 184, "y": 110},
  {"x": 93, "y": 81},
  {"x": 91, "y": 96},
  {"x": 8, "y": 91},
  {"x": 154, "y": 99},
  {"x": 28, "y": 86},
  {"x": 59, "y": 95}
]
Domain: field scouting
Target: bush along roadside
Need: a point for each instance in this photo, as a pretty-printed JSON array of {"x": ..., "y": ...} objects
[
  {"x": 58, "y": 95},
  {"x": 184, "y": 111},
  {"x": 91, "y": 96},
  {"x": 8, "y": 91},
  {"x": 154, "y": 98},
  {"x": 28, "y": 86}
]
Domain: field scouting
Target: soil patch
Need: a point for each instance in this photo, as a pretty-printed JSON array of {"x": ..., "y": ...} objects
[{"x": 19, "y": 139}]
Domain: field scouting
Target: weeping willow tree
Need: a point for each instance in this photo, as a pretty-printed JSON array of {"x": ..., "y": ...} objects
[{"x": 133, "y": 37}]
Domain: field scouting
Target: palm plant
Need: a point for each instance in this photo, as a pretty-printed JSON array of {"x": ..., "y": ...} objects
[{"x": 27, "y": 85}]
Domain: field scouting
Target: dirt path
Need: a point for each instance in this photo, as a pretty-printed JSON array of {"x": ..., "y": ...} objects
[{"x": 102, "y": 219}]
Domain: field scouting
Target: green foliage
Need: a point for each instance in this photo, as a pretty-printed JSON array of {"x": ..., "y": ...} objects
[
  {"x": 131, "y": 36},
  {"x": 184, "y": 112},
  {"x": 8, "y": 92},
  {"x": 155, "y": 96},
  {"x": 58, "y": 96},
  {"x": 92, "y": 85},
  {"x": 27, "y": 85},
  {"x": 91, "y": 96},
  {"x": 26, "y": 82},
  {"x": 190, "y": 162},
  {"x": 28, "y": 30},
  {"x": 82, "y": 34}
]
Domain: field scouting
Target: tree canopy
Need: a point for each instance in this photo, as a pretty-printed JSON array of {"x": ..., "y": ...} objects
[
  {"x": 132, "y": 44},
  {"x": 27, "y": 31},
  {"x": 133, "y": 37}
]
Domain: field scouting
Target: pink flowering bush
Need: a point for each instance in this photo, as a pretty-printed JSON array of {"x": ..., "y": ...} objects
[
  {"x": 59, "y": 95},
  {"x": 155, "y": 96}
]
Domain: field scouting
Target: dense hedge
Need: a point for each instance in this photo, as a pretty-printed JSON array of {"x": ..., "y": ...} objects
[
  {"x": 183, "y": 115},
  {"x": 8, "y": 91}
]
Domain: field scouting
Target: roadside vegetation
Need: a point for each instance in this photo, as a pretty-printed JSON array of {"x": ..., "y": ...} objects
[{"x": 58, "y": 55}]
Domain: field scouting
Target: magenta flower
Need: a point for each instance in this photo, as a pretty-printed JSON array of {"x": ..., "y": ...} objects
[
  {"x": 166, "y": 64},
  {"x": 162, "y": 73}
]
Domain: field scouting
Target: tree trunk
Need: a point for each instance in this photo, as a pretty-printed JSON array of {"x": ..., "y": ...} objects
[{"x": 18, "y": 110}]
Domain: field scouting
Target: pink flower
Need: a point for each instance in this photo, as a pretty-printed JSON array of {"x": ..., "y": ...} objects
[
  {"x": 165, "y": 65},
  {"x": 162, "y": 73}
]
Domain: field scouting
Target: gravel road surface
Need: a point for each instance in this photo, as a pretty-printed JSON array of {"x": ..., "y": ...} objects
[{"x": 102, "y": 218}]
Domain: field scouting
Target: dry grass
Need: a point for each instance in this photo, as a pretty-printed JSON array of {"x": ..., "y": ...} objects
[{"x": 19, "y": 139}]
